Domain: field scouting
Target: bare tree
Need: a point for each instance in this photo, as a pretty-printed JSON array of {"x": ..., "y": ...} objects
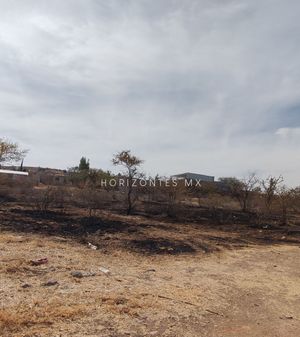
[
  {"x": 61, "y": 197},
  {"x": 288, "y": 198},
  {"x": 42, "y": 199},
  {"x": 285, "y": 198},
  {"x": 10, "y": 152},
  {"x": 296, "y": 205},
  {"x": 269, "y": 188},
  {"x": 175, "y": 192},
  {"x": 242, "y": 190},
  {"x": 91, "y": 199},
  {"x": 131, "y": 164}
]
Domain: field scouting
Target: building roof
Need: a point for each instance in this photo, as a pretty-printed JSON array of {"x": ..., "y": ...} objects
[{"x": 194, "y": 176}]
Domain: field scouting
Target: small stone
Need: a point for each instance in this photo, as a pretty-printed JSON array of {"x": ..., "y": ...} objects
[
  {"x": 26, "y": 285},
  {"x": 286, "y": 317},
  {"x": 90, "y": 274},
  {"x": 91, "y": 246},
  {"x": 39, "y": 262},
  {"x": 77, "y": 274},
  {"x": 50, "y": 283},
  {"x": 104, "y": 270}
]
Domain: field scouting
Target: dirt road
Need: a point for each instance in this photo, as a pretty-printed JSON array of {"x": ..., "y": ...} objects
[{"x": 247, "y": 292}]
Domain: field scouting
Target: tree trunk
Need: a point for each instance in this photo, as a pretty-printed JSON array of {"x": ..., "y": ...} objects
[
  {"x": 129, "y": 208},
  {"x": 245, "y": 205},
  {"x": 284, "y": 216},
  {"x": 129, "y": 201}
]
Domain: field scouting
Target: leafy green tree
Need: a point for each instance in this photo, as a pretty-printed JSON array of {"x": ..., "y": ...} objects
[{"x": 84, "y": 164}]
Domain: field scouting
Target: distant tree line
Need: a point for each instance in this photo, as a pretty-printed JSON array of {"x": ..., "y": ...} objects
[{"x": 250, "y": 192}]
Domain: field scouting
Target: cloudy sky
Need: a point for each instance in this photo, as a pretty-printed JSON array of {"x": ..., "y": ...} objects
[{"x": 207, "y": 86}]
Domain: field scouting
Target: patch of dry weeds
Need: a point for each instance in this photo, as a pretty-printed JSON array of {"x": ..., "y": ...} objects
[{"x": 39, "y": 314}]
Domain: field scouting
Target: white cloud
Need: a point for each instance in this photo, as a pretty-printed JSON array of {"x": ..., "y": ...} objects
[
  {"x": 206, "y": 86},
  {"x": 288, "y": 132}
]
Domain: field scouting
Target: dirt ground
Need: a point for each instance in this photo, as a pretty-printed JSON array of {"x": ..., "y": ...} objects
[{"x": 164, "y": 279}]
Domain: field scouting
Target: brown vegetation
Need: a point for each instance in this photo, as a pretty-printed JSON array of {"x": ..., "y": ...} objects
[{"x": 169, "y": 260}]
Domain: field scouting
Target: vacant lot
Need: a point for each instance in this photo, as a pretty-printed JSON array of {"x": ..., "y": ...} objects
[{"x": 164, "y": 279}]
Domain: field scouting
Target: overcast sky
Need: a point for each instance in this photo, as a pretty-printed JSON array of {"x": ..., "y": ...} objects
[{"x": 206, "y": 86}]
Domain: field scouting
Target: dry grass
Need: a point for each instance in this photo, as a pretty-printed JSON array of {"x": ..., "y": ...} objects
[
  {"x": 37, "y": 315},
  {"x": 15, "y": 266},
  {"x": 19, "y": 267},
  {"x": 147, "y": 293},
  {"x": 119, "y": 305}
]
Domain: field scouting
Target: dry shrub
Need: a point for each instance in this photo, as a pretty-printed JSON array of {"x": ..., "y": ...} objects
[
  {"x": 44, "y": 199},
  {"x": 16, "y": 266},
  {"x": 122, "y": 305},
  {"x": 6, "y": 184},
  {"x": 20, "y": 267},
  {"x": 26, "y": 316},
  {"x": 219, "y": 201}
]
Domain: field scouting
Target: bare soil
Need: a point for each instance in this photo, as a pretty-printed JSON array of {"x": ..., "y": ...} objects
[{"x": 165, "y": 278}]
